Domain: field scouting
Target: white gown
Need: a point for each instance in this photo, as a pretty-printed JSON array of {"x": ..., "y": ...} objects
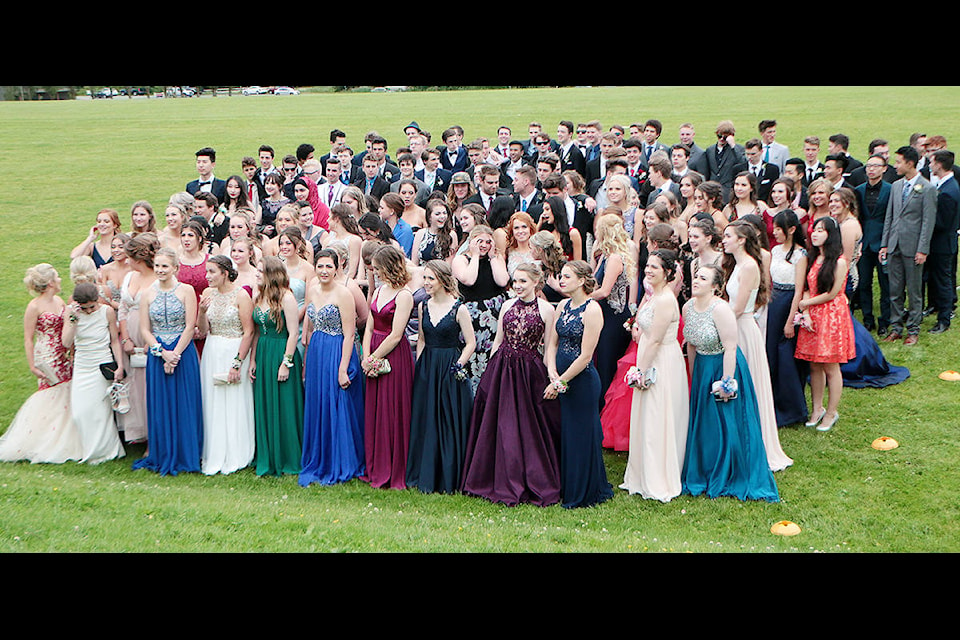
[{"x": 135, "y": 420}]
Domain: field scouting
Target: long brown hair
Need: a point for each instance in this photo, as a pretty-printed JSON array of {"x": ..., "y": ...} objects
[
  {"x": 275, "y": 283},
  {"x": 752, "y": 246}
]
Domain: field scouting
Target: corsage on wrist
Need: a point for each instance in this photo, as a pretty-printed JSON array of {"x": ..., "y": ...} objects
[
  {"x": 458, "y": 371},
  {"x": 237, "y": 363},
  {"x": 288, "y": 361},
  {"x": 560, "y": 386},
  {"x": 156, "y": 350}
]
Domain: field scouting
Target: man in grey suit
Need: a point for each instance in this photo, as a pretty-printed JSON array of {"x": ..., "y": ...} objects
[
  {"x": 773, "y": 152},
  {"x": 907, "y": 230}
]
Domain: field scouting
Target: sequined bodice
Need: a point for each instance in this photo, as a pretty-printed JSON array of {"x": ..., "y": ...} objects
[
  {"x": 267, "y": 327},
  {"x": 700, "y": 330},
  {"x": 617, "y": 300},
  {"x": 168, "y": 316},
  {"x": 223, "y": 315},
  {"x": 645, "y": 322},
  {"x": 570, "y": 331},
  {"x": 523, "y": 328},
  {"x": 326, "y": 319},
  {"x": 440, "y": 333}
]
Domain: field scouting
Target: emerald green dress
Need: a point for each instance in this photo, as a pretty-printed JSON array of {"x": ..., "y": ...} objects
[{"x": 278, "y": 406}]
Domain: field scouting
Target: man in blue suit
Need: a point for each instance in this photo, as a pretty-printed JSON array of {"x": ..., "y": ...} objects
[
  {"x": 454, "y": 157},
  {"x": 872, "y": 198},
  {"x": 941, "y": 283},
  {"x": 206, "y": 163},
  {"x": 435, "y": 177}
]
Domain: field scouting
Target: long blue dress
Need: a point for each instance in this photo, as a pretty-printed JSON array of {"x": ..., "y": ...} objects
[
  {"x": 725, "y": 455},
  {"x": 440, "y": 413},
  {"x": 332, "y": 417},
  {"x": 614, "y": 338},
  {"x": 583, "y": 477},
  {"x": 174, "y": 409}
]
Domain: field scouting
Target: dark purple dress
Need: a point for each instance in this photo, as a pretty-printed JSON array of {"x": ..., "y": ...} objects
[{"x": 513, "y": 447}]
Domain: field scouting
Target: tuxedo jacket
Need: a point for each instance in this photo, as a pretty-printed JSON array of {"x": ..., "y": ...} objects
[
  {"x": 573, "y": 159},
  {"x": 768, "y": 174},
  {"x": 817, "y": 174},
  {"x": 441, "y": 182},
  {"x": 948, "y": 218},
  {"x": 534, "y": 206},
  {"x": 871, "y": 219},
  {"x": 218, "y": 188},
  {"x": 461, "y": 163},
  {"x": 908, "y": 225},
  {"x": 674, "y": 188}
]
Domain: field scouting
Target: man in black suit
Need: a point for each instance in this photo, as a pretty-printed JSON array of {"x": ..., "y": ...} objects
[
  {"x": 453, "y": 157},
  {"x": 266, "y": 156},
  {"x": 793, "y": 169},
  {"x": 513, "y": 161},
  {"x": 206, "y": 181},
  {"x": 597, "y": 168},
  {"x": 725, "y": 159},
  {"x": 812, "y": 167},
  {"x": 872, "y": 198},
  {"x": 834, "y": 168},
  {"x": 489, "y": 190},
  {"x": 526, "y": 197},
  {"x": 651, "y": 141},
  {"x": 378, "y": 150},
  {"x": 765, "y": 172},
  {"x": 941, "y": 262},
  {"x": 370, "y": 181},
  {"x": 839, "y": 145},
  {"x": 337, "y": 138},
  {"x": 570, "y": 155},
  {"x": 877, "y": 146}
]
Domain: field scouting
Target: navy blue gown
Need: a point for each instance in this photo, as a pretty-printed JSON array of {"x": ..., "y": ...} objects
[
  {"x": 583, "y": 477},
  {"x": 332, "y": 417},
  {"x": 440, "y": 418}
]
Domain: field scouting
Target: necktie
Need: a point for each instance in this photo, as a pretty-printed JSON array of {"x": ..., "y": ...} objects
[
  {"x": 523, "y": 205},
  {"x": 330, "y": 196},
  {"x": 766, "y": 157},
  {"x": 906, "y": 192}
]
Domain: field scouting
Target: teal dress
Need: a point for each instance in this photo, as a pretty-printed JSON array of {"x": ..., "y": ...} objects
[{"x": 278, "y": 406}]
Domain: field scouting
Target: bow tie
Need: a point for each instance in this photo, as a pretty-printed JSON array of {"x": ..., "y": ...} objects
[{"x": 206, "y": 183}]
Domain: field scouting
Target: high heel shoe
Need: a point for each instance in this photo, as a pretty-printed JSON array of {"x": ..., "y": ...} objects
[
  {"x": 814, "y": 423},
  {"x": 827, "y": 427}
]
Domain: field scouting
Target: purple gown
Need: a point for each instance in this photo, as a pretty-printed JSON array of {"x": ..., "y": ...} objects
[{"x": 513, "y": 447}]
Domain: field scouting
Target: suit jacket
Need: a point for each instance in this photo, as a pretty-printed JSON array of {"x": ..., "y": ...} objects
[
  {"x": 441, "y": 182},
  {"x": 768, "y": 174},
  {"x": 818, "y": 173},
  {"x": 593, "y": 169},
  {"x": 380, "y": 186},
  {"x": 657, "y": 146},
  {"x": 859, "y": 176},
  {"x": 674, "y": 187},
  {"x": 324, "y": 193},
  {"x": 948, "y": 218},
  {"x": 777, "y": 156},
  {"x": 572, "y": 159},
  {"x": 534, "y": 207},
  {"x": 582, "y": 222},
  {"x": 390, "y": 172},
  {"x": 871, "y": 219},
  {"x": 218, "y": 188},
  {"x": 724, "y": 170},
  {"x": 453, "y": 167},
  {"x": 908, "y": 226}
]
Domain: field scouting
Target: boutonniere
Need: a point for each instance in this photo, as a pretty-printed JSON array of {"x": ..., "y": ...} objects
[{"x": 917, "y": 188}]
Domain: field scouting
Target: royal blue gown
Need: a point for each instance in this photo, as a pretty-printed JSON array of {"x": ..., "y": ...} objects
[
  {"x": 725, "y": 455},
  {"x": 441, "y": 408},
  {"x": 583, "y": 476},
  {"x": 332, "y": 416},
  {"x": 174, "y": 409}
]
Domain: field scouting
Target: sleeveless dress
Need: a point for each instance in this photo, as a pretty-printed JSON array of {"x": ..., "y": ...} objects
[
  {"x": 440, "y": 410},
  {"x": 484, "y": 299},
  {"x": 135, "y": 420},
  {"x": 332, "y": 416},
  {"x": 174, "y": 410},
  {"x": 513, "y": 451},
  {"x": 831, "y": 340},
  {"x": 228, "y": 440},
  {"x": 614, "y": 338},
  {"x": 725, "y": 455},
  {"x": 388, "y": 406},
  {"x": 299, "y": 289},
  {"x": 89, "y": 399},
  {"x": 788, "y": 375},
  {"x": 583, "y": 475},
  {"x": 278, "y": 406},
  {"x": 659, "y": 417},
  {"x": 751, "y": 343},
  {"x": 195, "y": 275},
  {"x": 43, "y": 429}
]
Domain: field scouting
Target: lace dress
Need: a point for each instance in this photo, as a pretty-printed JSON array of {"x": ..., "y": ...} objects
[{"x": 614, "y": 338}]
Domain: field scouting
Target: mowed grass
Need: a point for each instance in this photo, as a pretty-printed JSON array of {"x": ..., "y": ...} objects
[{"x": 66, "y": 160}]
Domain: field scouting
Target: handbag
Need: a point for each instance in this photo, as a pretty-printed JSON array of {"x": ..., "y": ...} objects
[
  {"x": 108, "y": 369},
  {"x": 138, "y": 359}
]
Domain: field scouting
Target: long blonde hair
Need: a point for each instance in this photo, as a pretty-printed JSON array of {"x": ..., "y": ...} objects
[{"x": 612, "y": 238}]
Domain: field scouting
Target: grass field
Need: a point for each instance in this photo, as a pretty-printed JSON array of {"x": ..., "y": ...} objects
[{"x": 64, "y": 161}]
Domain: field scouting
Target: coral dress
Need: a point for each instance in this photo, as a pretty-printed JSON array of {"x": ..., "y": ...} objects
[{"x": 831, "y": 339}]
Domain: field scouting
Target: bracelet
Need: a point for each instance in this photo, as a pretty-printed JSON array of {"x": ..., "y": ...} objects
[
  {"x": 74, "y": 318},
  {"x": 288, "y": 361},
  {"x": 156, "y": 350},
  {"x": 560, "y": 386}
]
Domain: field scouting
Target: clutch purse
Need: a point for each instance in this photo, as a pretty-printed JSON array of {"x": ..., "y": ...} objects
[
  {"x": 220, "y": 379},
  {"x": 108, "y": 369},
  {"x": 48, "y": 373},
  {"x": 138, "y": 359},
  {"x": 731, "y": 387}
]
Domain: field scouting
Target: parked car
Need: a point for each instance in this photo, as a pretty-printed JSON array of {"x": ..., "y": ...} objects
[
  {"x": 188, "y": 92},
  {"x": 285, "y": 91},
  {"x": 253, "y": 91},
  {"x": 106, "y": 92}
]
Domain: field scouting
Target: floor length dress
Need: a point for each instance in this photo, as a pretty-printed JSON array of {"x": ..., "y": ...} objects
[
  {"x": 659, "y": 417},
  {"x": 387, "y": 406},
  {"x": 513, "y": 451},
  {"x": 228, "y": 432},
  {"x": 43, "y": 428},
  {"x": 134, "y": 420},
  {"x": 750, "y": 341},
  {"x": 89, "y": 389},
  {"x": 614, "y": 337},
  {"x": 278, "y": 406},
  {"x": 174, "y": 401},
  {"x": 484, "y": 299},
  {"x": 583, "y": 475},
  {"x": 440, "y": 410},
  {"x": 725, "y": 455},
  {"x": 787, "y": 374},
  {"x": 332, "y": 417}
]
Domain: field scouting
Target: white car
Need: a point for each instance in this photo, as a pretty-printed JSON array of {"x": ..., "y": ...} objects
[
  {"x": 285, "y": 91},
  {"x": 253, "y": 91}
]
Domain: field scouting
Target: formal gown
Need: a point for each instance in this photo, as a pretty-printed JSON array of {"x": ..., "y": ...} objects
[
  {"x": 618, "y": 403},
  {"x": 659, "y": 417},
  {"x": 831, "y": 340},
  {"x": 174, "y": 401},
  {"x": 387, "y": 411},
  {"x": 583, "y": 475},
  {"x": 751, "y": 343},
  {"x": 440, "y": 411},
  {"x": 725, "y": 455},
  {"x": 228, "y": 432},
  {"x": 89, "y": 390},
  {"x": 43, "y": 429},
  {"x": 484, "y": 299},
  {"x": 134, "y": 420},
  {"x": 299, "y": 289},
  {"x": 332, "y": 417},
  {"x": 195, "y": 275},
  {"x": 787, "y": 374},
  {"x": 614, "y": 337},
  {"x": 278, "y": 406},
  {"x": 513, "y": 451}
]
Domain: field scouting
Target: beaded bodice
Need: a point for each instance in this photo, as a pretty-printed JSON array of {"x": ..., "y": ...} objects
[
  {"x": 223, "y": 315},
  {"x": 645, "y": 322},
  {"x": 168, "y": 316},
  {"x": 326, "y": 319},
  {"x": 570, "y": 331},
  {"x": 442, "y": 333},
  {"x": 267, "y": 327},
  {"x": 523, "y": 328},
  {"x": 618, "y": 295},
  {"x": 700, "y": 330}
]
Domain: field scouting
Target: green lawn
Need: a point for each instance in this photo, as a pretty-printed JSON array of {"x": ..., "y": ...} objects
[{"x": 64, "y": 161}]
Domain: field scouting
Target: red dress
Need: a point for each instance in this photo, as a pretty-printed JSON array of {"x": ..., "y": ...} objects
[{"x": 831, "y": 339}]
